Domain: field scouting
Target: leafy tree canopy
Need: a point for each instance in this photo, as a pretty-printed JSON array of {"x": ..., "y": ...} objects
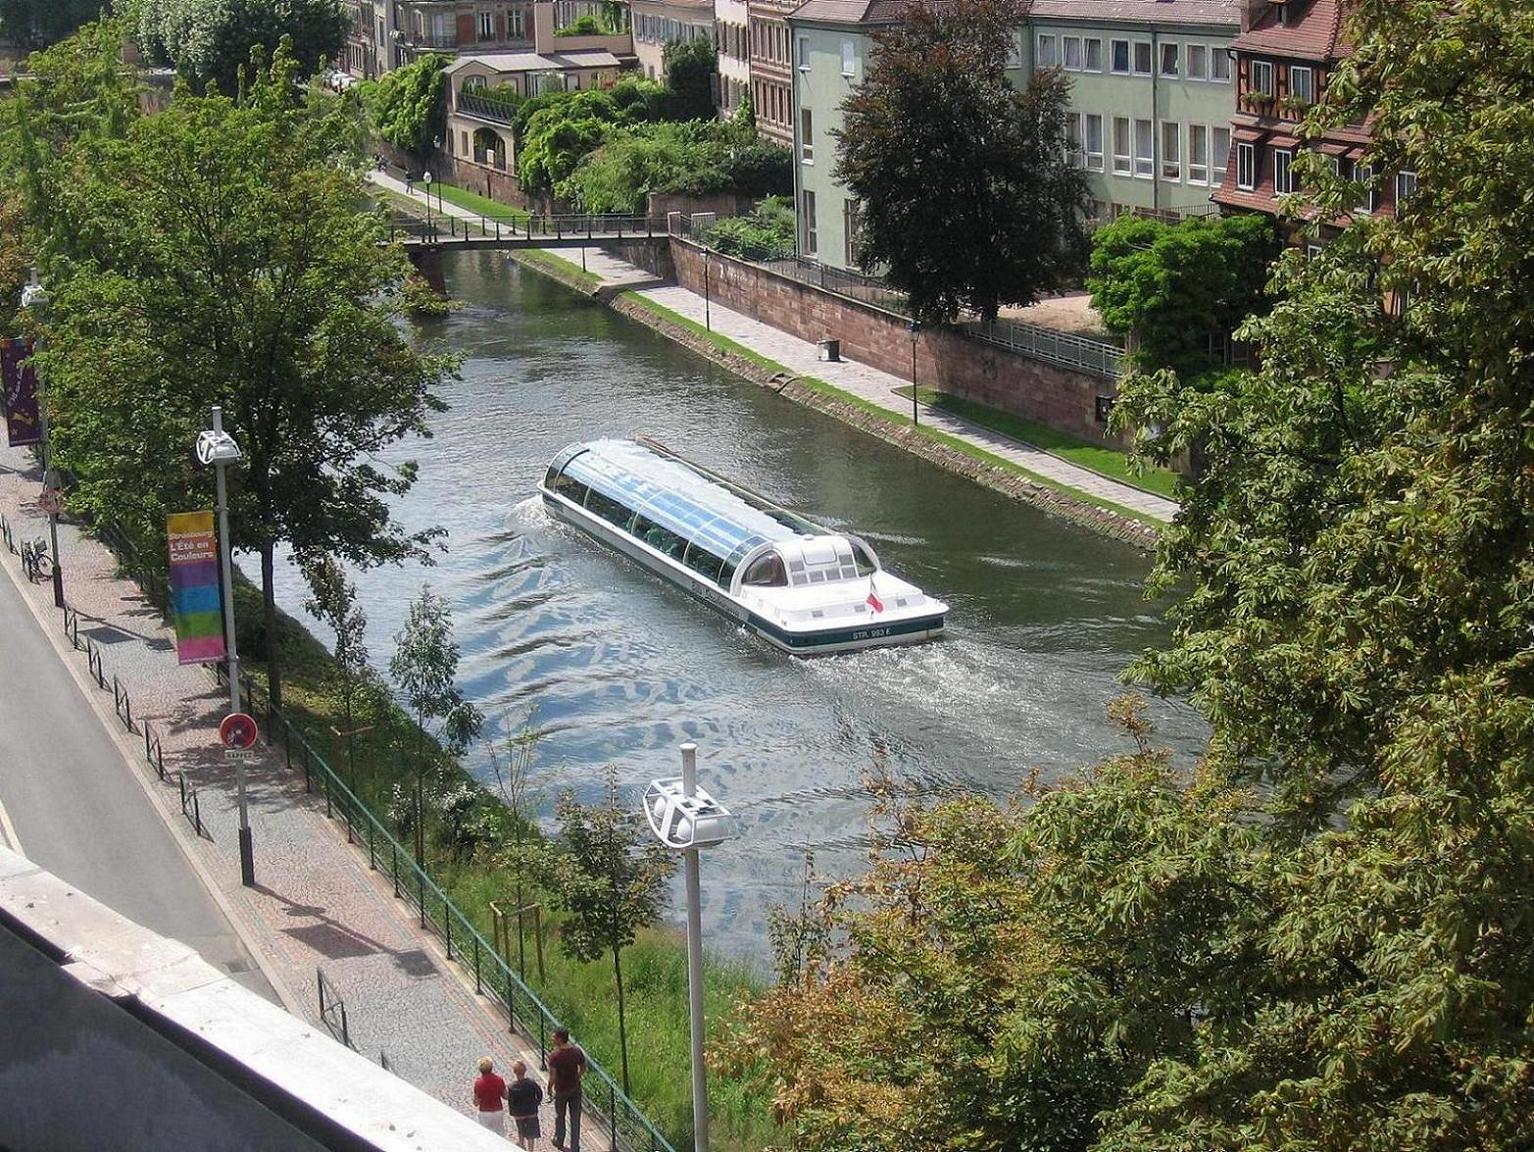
[
  {"x": 692, "y": 68},
  {"x": 967, "y": 200},
  {"x": 1174, "y": 286},
  {"x": 215, "y": 254},
  {"x": 30, "y": 24},
  {"x": 408, "y": 105},
  {"x": 210, "y": 41}
]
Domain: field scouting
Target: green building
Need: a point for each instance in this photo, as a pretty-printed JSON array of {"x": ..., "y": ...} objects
[{"x": 1151, "y": 101}]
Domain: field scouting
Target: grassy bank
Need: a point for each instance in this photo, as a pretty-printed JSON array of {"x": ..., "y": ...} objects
[
  {"x": 565, "y": 271},
  {"x": 771, "y": 367},
  {"x": 470, "y": 858},
  {"x": 474, "y": 202}
]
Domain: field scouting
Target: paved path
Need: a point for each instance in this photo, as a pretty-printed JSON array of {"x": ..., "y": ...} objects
[
  {"x": 801, "y": 357},
  {"x": 613, "y": 272},
  {"x": 77, "y": 791}
]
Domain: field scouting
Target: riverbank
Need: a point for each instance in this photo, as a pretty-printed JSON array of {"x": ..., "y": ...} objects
[{"x": 864, "y": 398}]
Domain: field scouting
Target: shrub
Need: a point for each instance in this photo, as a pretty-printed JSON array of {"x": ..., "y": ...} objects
[
  {"x": 408, "y": 106},
  {"x": 766, "y": 234}
]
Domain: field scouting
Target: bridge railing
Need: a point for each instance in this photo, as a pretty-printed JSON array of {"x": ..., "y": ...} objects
[{"x": 597, "y": 227}]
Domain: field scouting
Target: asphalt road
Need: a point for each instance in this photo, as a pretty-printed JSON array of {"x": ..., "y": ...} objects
[{"x": 68, "y": 796}]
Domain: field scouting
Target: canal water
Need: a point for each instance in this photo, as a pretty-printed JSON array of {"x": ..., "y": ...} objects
[{"x": 617, "y": 668}]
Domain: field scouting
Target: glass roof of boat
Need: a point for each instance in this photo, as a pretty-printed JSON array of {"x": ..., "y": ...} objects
[{"x": 718, "y": 516}]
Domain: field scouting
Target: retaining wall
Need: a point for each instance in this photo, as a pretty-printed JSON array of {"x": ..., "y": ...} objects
[{"x": 1060, "y": 397}]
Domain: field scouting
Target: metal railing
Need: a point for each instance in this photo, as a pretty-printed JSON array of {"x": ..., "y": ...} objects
[
  {"x": 596, "y": 227},
  {"x": 487, "y": 108},
  {"x": 191, "y": 806},
  {"x": 8, "y": 535},
  {"x": 333, "y": 1010},
  {"x": 1055, "y": 347}
]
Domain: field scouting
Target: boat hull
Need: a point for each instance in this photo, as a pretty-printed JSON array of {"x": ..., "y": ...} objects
[{"x": 845, "y": 638}]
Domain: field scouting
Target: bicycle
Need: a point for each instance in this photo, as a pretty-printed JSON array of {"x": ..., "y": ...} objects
[{"x": 36, "y": 563}]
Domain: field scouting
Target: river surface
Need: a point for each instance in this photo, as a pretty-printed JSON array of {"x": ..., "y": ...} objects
[{"x": 618, "y": 668}]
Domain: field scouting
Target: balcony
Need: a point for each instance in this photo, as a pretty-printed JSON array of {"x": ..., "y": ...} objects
[
  {"x": 484, "y": 107},
  {"x": 428, "y": 39}
]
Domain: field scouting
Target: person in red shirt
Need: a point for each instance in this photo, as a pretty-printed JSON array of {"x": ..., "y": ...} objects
[
  {"x": 567, "y": 1065},
  {"x": 489, "y": 1092}
]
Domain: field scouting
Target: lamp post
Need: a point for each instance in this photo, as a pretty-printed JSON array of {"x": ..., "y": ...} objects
[
  {"x": 217, "y": 447},
  {"x": 915, "y": 328},
  {"x": 34, "y": 298},
  {"x": 685, "y": 817},
  {"x": 426, "y": 176},
  {"x": 708, "y": 323}
]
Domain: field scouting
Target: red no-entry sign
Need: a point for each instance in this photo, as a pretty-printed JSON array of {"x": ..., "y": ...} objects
[{"x": 237, "y": 730}]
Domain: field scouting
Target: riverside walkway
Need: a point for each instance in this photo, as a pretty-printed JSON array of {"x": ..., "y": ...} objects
[
  {"x": 801, "y": 357},
  {"x": 317, "y": 908}
]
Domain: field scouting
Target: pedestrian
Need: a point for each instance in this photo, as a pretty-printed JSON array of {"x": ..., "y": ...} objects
[
  {"x": 523, "y": 1096},
  {"x": 489, "y": 1091},
  {"x": 409, "y": 182},
  {"x": 567, "y": 1065}
]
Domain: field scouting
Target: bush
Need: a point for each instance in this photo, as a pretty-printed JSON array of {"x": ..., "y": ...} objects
[
  {"x": 585, "y": 25},
  {"x": 766, "y": 234},
  {"x": 408, "y": 106},
  {"x": 693, "y": 159}
]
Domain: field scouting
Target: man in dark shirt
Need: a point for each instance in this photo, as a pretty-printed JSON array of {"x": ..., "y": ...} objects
[{"x": 567, "y": 1064}]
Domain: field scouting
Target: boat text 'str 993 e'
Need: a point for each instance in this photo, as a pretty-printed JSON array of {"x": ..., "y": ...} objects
[{"x": 799, "y": 585}]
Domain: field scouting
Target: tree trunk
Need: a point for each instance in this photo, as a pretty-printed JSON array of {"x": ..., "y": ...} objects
[
  {"x": 269, "y": 622},
  {"x": 623, "y": 1039}
]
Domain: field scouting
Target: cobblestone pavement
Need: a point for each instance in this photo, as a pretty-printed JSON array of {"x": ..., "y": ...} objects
[
  {"x": 801, "y": 357},
  {"x": 316, "y": 906}
]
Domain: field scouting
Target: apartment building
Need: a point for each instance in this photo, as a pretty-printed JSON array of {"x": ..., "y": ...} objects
[
  {"x": 385, "y": 34},
  {"x": 1284, "y": 60},
  {"x": 657, "y": 23},
  {"x": 732, "y": 39},
  {"x": 771, "y": 73}
]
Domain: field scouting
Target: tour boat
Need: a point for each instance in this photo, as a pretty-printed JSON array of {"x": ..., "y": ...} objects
[{"x": 798, "y": 585}]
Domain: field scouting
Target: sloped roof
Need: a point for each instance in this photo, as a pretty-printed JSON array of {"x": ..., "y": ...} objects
[
  {"x": 864, "y": 12},
  {"x": 508, "y": 62},
  {"x": 1312, "y": 30},
  {"x": 1141, "y": 11}
]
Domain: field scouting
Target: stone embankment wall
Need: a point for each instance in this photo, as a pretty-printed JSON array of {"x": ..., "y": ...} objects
[{"x": 945, "y": 358}]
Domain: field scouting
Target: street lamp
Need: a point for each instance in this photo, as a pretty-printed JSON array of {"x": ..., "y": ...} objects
[
  {"x": 34, "y": 298},
  {"x": 686, "y": 818},
  {"x": 217, "y": 447},
  {"x": 426, "y": 176},
  {"x": 915, "y": 328},
  {"x": 707, "y": 321}
]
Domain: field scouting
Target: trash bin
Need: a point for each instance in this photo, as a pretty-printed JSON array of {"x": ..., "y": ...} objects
[{"x": 829, "y": 350}]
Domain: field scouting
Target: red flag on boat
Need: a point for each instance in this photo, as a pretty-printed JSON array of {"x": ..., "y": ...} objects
[{"x": 873, "y": 597}]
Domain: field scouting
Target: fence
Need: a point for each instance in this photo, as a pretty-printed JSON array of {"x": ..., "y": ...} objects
[
  {"x": 1049, "y": 345},
  {"x": 333, "y": 1010},
  {"x": 521, "y": 226}
]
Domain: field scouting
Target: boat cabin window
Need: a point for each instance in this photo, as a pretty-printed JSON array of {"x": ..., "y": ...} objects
[
  {"x": 567, "y": 486},
  {"x": 703, "y": 562},
  {"x": 661, "y": 539},
  {"x": 613, "y": 511},
  {"x": 766, "y": 572},
  {"x": 862, "y": 560}
]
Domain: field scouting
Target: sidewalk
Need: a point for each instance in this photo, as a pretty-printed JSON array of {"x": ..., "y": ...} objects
[{"x": 316, "y": 907}]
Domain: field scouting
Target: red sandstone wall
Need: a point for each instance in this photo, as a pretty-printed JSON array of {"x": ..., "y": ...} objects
[{"x": 945, "y": 358}]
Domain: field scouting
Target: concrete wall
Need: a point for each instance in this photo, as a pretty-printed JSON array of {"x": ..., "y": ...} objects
[{"x": 945, "y": 359}]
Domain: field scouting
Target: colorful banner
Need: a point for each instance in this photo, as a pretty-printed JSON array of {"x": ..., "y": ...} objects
[
  {"x": 194, "y": 591},
  {"x": 22, "y": 423}
]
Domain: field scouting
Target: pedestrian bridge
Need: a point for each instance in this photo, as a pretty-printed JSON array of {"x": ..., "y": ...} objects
[{"x": 522, "y": 230}]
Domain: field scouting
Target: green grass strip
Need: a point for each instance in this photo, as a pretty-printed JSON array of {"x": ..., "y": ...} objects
[
  {"x": 725, "y": 344},
  {"x": 1103, "y": 459},
  {"x": 558, "y": 267},
  {"x": 474, "y": 202}
]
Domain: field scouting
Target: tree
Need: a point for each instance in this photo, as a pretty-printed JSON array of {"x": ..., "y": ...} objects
[
  {"x": 692, "y": 74},
  {"x": 967, "y": 200},
  {"x": 210, "y": 41},
  {"x": 610, "y": 881},
  {"x": 216, "y": 255},
  {"x": 32, "y": 24},
  {"x": 1174, "y": 286},
  {"x": 424, "y": 667},
  {"x": 408, "y": 105},
  {"x": 333, "y": 601}
]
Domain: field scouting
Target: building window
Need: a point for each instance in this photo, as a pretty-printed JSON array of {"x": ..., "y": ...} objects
[
  {"x": 1219, "y": 65},
  {"x": 1071, "y": 47},
  {"x": 1198, "y": 62},
  {"x": 1119, "y": 50},
  {"x": 804, "y": 53},
  {"x": 1219, "y": 157},
  {"x": 1369, "y": 199},
  {"x": 1122, "y": 165},
  {"x": 850, "y": 231},
  {"x": 487, "y": 26},
  {"x": 1142, "y": 58},
  {"x": 1302, "y": 84},
  {"x": 1145, "y": 149},
  {"x": 1312, "y": 251},
  {"x": 1171, "y": 150},
  {"x": 849, "y": 58},
  {"x": 1016, "y": 51},
  {"x": 1198, "y": 154},
  {"x": 1283, "y": 170},
  {"x": 1406, "y": 188},
  {"x": 806, "y": 136},
  {"x": 514, "y": 24},
  {"x": 1171, "y": 60},
  {"x": 1048, "y": 56},
  {"x": 1093, "y": 51},
  {"x": 1073, "y": 132},
  {"x": 807, "y": 222},
  {"x": 1260, "y": 78},
  {"x": 1094, "y": 142},
  {"x": 1246, "y": 167}
]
